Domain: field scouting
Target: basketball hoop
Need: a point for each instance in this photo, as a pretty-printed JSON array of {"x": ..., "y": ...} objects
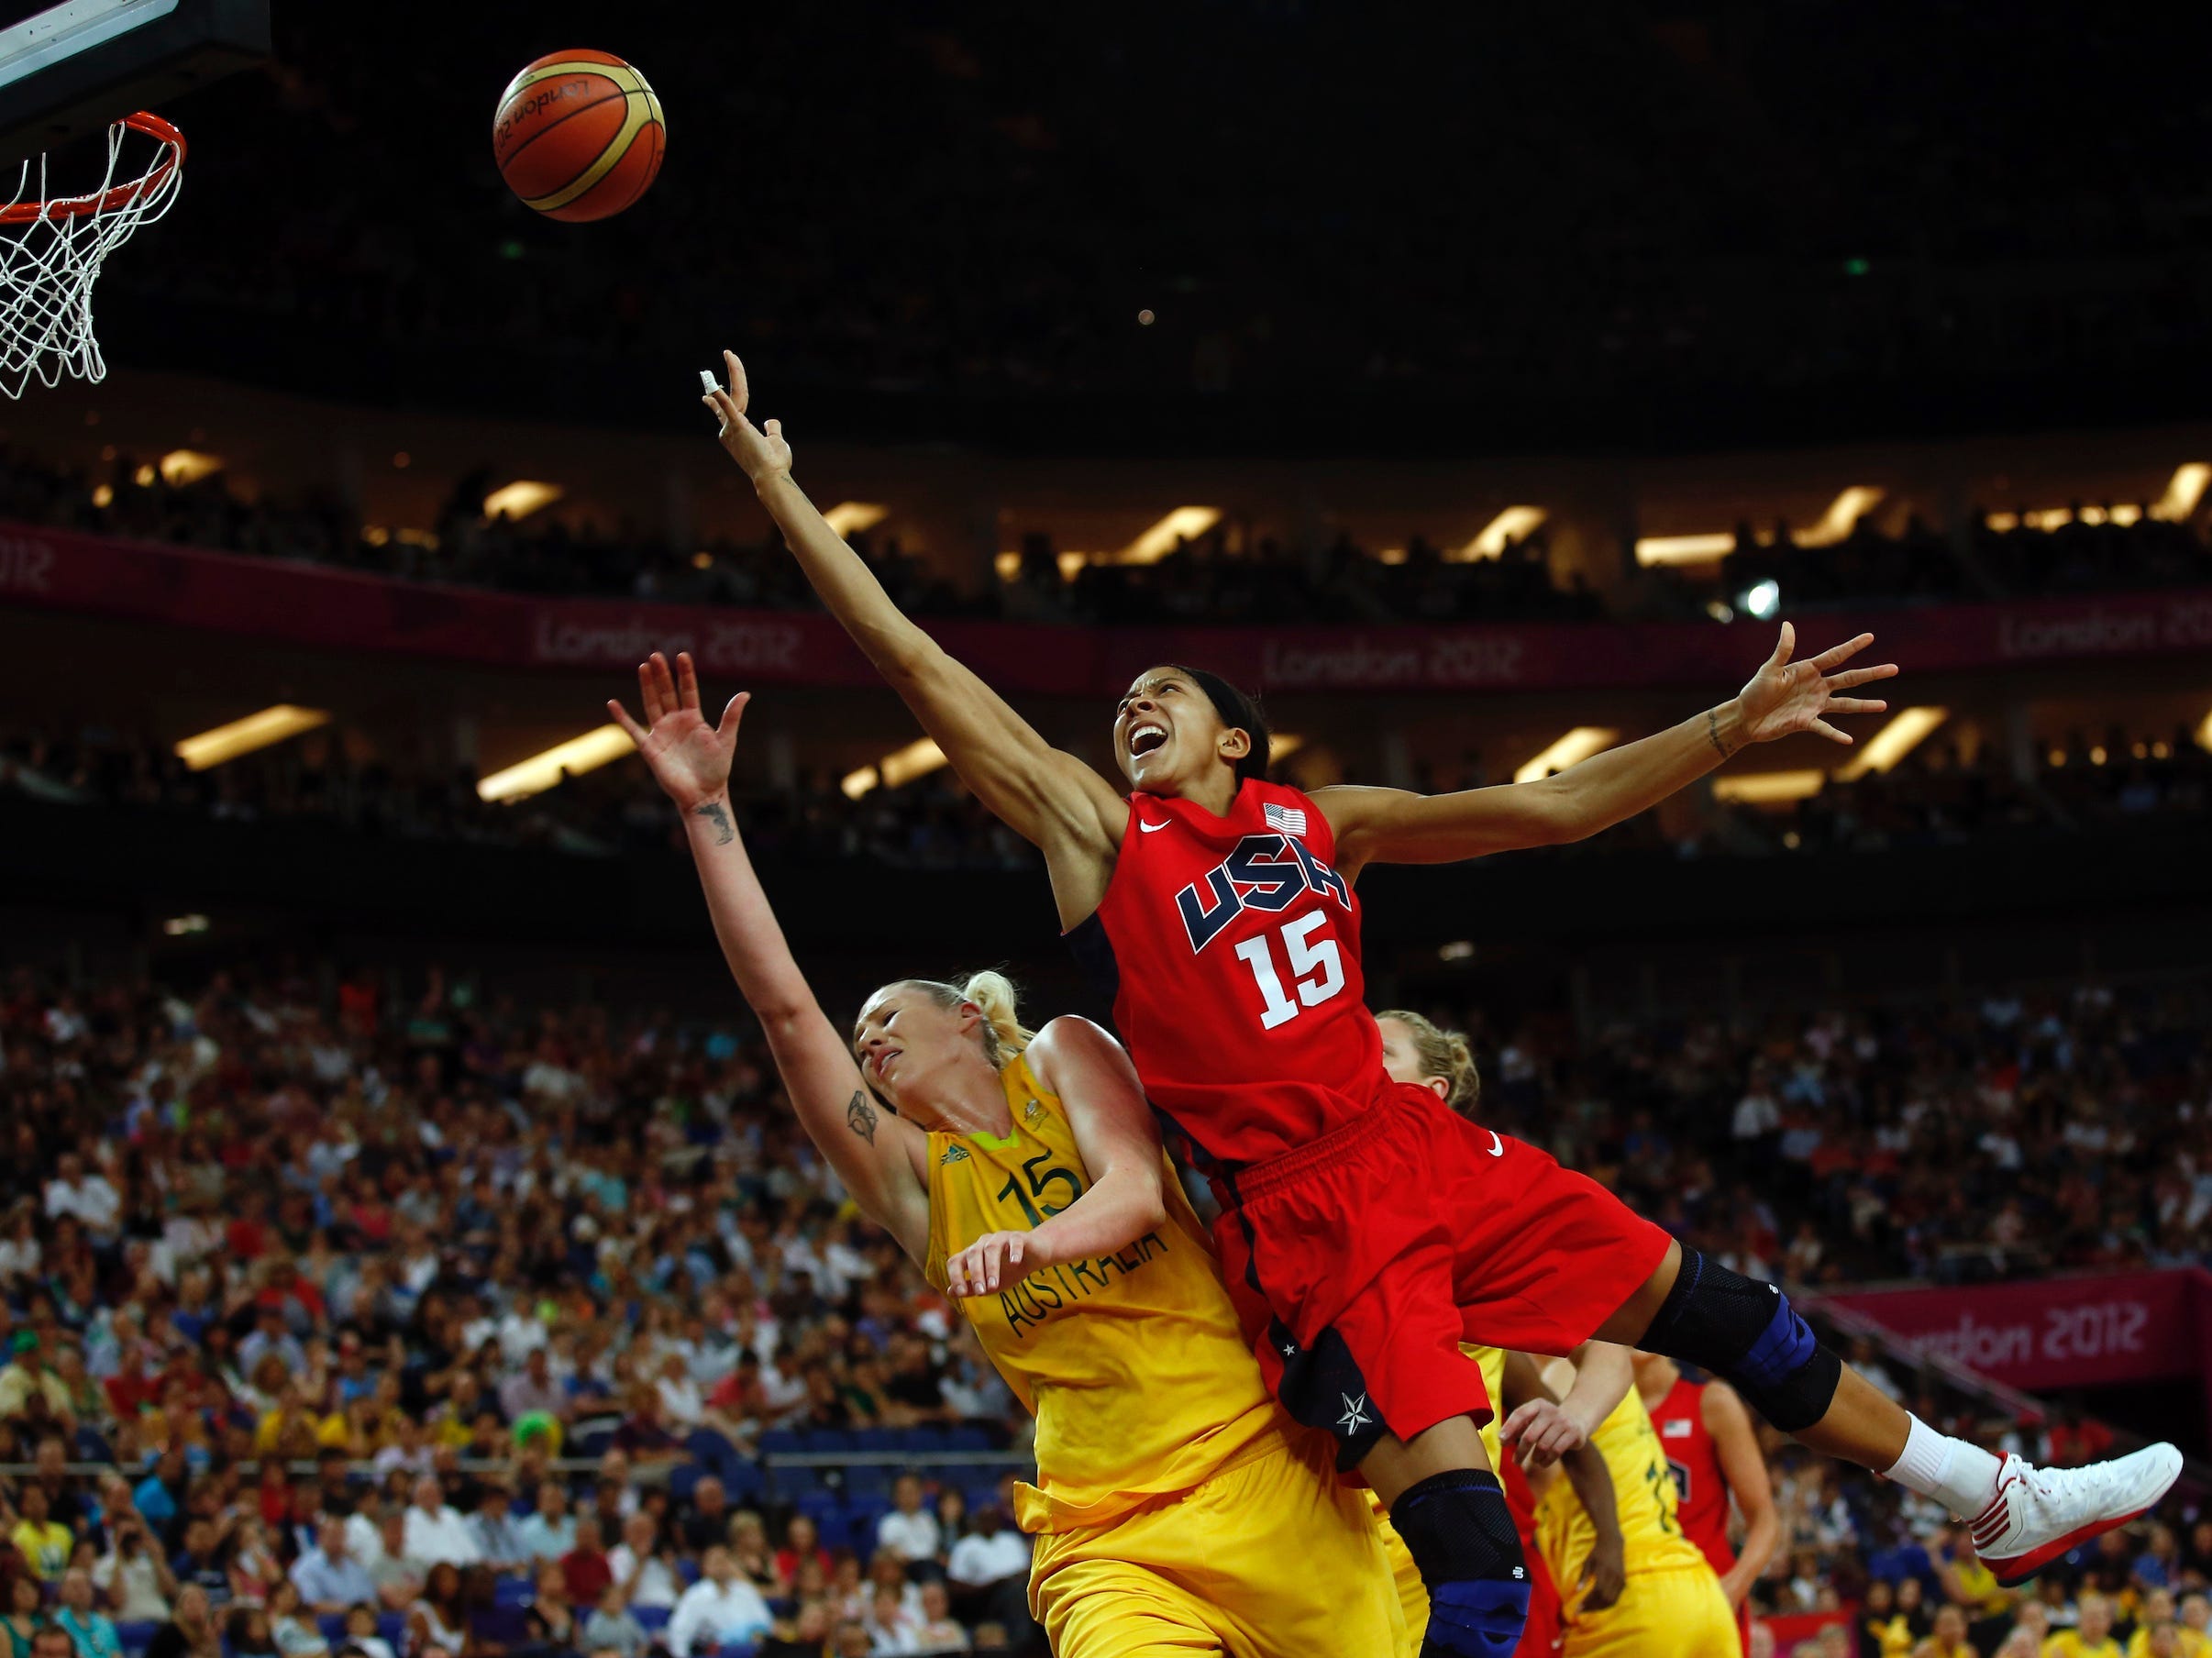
[{"x": 51, "y": 248}]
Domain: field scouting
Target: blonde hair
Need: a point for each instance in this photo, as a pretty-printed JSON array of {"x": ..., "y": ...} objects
[
  {"x": 1004, "y": 1035},
  {"x": 1442, "y": 1054}
]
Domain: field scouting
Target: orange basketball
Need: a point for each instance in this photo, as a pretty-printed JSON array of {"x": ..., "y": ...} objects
[{"x": 579, "y": 135}]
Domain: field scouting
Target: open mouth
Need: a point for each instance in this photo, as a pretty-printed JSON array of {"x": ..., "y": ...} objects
[
  {"x": 1144, "y": 738},
  {"x": 883, "y": 1065}
]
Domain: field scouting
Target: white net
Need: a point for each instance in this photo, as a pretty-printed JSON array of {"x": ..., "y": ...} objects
[{"x": 51, "y": 249}]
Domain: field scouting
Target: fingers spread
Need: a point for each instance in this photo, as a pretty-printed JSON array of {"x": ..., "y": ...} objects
[
  {"x": 648, "y": 692},
  {"x": 1832, "y": 734},
  {"x": 1857, "y": 705},
  {"x": 687, "y": 681},
  {"x": 666, "y": 682},
  {"x": 735, "y": 713},
  {"x": 1784, "y": 644},
  {"x": 740, "y": 393}
]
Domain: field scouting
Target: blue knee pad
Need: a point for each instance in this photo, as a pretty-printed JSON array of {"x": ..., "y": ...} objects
[
  {"x": 1460, "y": 1533},
  {"x": 1748, "y": 1333}
]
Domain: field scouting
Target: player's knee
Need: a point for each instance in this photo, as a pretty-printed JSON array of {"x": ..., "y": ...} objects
[
  {"x": 1749, "y": 1334},
  {"x": 1457, "y": 1528}
]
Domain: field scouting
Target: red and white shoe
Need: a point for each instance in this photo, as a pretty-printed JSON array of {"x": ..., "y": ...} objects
[{"x": 2039, "y": 1513}]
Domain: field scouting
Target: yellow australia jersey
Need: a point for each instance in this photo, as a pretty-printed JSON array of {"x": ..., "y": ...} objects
[
  {"x": 1644, "y": 1493},
  {"x": 1132, "y": 1362}
]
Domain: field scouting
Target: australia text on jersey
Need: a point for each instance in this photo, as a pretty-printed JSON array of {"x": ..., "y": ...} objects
[
  {"x": 1265, "y": 872},
  {"x": 1037, "y": 1296}
]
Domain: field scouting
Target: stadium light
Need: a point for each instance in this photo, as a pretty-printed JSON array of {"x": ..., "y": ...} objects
[
  {"x": 1684, "y": 549},
  {"x": 1185, "y": 524},
  {"x": 851, "y": 518},
  {"x": 180, "y": 467},
  {"x": 1834, "y": 524},
  {"x": 1282, "y": 744},
  {"x": 918, "y": 758},
  {"x": 555, "y": 765},
  {"x": 1575, "y": 746},
  {"x": 2185, "y": 489},
  {"x": 1509, "y": 526},
  {"x": 521, "y": 497},
  {"x": 1843, "y": 512},
  {"x": 1905, "y": 732},
  {"x": 2204, "y": 732},
  {"x": 1769, "y": 788},
  {"x": 221, "y": 743}
]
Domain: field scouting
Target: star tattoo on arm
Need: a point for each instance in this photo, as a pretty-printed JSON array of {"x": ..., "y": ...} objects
[{"x": 860, "y": 1117}]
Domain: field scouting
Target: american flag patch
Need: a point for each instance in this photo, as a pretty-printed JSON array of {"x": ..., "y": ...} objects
[
  {"x": 1677, "y": 1429},
  {"x": 1290, "y": 820}
]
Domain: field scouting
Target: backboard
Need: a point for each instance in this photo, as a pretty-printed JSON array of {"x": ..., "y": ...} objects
[{"x": 69, "y": 70}]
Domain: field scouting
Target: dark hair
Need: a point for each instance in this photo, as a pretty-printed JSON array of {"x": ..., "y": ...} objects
[{"x": 1240, "y": 711}]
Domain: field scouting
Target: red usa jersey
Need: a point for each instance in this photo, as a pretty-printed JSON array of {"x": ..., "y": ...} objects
[
  {"x": 1694, "y": 1462},
  {"x": 1230, "y": 947}
]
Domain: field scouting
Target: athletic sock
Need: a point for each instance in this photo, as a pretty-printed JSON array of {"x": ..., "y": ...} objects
[{"x": 1960, "y": 1476}]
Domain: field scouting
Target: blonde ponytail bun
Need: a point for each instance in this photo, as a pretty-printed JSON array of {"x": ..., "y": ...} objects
[{"x": 994, "y": 993}]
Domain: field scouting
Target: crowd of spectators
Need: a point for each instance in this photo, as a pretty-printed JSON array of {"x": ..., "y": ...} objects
[{"x": 460, "y": 1327}]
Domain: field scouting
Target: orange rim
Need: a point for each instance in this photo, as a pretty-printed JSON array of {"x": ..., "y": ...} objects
[{"x": 121, "y": 195}]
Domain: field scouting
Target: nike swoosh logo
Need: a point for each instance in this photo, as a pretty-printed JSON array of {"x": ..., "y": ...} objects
[
  {"x": 1149, "y": 827},
  {"x": 1496, "y": 1145}
]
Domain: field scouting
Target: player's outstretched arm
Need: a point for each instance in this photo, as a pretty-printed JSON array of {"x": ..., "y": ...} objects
[
  {"x": 1743, "y": 1469},
  {"x": 1394, "y": 827},
  {"x": 1049, "y": 798},
  {"x": 1098, "y": 1087},
  {"x": 1528, "y": 1386},
  {"x": 876, "y": 1155}
]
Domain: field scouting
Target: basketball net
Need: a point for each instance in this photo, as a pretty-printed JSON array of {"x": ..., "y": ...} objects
[{"x": 51, "y": 248}]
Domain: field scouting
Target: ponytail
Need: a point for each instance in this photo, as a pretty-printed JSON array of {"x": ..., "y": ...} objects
[
  {"x": 1004, "y": 1034},
  {"x": 1442, "y": 1054}
]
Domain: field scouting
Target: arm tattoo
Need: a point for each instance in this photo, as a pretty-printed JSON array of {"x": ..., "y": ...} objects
[
  {"x": 860, "y": 1117},
  {"x": 714, "y": 815},
  {"x": 1712, "y": 730}
]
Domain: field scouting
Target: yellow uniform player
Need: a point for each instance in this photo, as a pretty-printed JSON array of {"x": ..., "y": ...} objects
[
  {"x": 1672, "y": 1605},
  {"x": 1178, "y": 1512},
  {"x": 1175, "y": 1506}
]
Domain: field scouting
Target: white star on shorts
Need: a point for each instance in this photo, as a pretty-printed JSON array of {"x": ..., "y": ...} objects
[{"x": 1355, "y": 1415}]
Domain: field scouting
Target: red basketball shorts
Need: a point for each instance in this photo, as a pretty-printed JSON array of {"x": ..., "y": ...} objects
[{"x": 1359, "y": 1263}]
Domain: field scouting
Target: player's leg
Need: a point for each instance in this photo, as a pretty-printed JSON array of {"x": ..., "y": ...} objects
[
  {"x": 1292, "y": 1561},
  {"x": 1093, "y": 1605},
  {"x": 1450, "y": 1511},
  {"x": 1695, "y": 1309}
]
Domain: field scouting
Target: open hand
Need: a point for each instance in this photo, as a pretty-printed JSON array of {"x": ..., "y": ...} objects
[
  {"x": 763, "y": 454},
  {"x": 993, "y": 1259},
  {"x": 1784, "y": 696},
  {"x": 689, "y": 759},
  {"x": 1543, "y": 1432}
]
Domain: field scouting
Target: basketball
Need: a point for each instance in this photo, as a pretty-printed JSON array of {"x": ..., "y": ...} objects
[{"x": 579, "y": 135}]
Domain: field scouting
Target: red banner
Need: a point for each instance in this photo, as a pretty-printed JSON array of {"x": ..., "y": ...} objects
[
  {"x": 336, "y": 609},
  {"x": 2060, "y": 1333}
]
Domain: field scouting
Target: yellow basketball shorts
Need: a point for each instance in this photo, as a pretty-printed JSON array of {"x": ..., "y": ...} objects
[
  {"x": 1677, "y": 1612},
  {"x": 1271, "y": 1559}
]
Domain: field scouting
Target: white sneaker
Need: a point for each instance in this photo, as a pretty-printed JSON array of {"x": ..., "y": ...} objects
[{"x": 2039, "y": 1513}]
